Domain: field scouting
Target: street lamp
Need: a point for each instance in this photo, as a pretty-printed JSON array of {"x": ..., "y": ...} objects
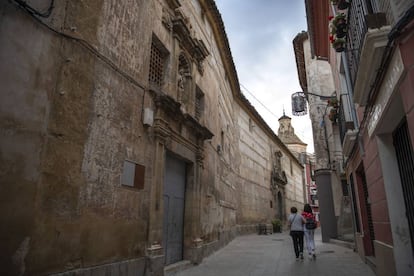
[{"x": 299, "y": 106}]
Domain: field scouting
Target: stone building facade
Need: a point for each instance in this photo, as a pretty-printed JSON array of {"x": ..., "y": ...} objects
[
  {"x": 315, "y": 77},
  {"x": 287, "y": 135},
  {"x": 126, "y": 143}
]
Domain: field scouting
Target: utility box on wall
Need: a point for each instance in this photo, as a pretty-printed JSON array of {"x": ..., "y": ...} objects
[{"x": 148, "y": 118}]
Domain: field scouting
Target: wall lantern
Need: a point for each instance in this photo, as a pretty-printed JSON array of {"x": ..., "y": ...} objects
[{"x": 299, "y": 106}]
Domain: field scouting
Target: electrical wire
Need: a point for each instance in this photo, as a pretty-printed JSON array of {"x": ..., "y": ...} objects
[
  {"x": 33, "y": 11},
  {"x": 304, "y": 137},
  {"x": 265, "y": 107}
]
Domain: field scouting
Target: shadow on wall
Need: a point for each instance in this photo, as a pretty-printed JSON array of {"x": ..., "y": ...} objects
[{"x": 345, "y": 225}]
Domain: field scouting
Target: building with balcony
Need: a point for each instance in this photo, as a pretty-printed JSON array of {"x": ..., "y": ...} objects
[{"x": 372, "y": 63}]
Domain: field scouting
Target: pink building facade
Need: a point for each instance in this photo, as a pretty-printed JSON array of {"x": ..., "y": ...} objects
[{"x": 373, "y": 73}]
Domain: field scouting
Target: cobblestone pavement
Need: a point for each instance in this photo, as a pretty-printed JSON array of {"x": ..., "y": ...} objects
[{"x": 263, "y": 255}]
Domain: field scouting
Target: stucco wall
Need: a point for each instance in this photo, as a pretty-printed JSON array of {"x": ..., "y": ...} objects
[
  {"x": 320, "y": 82},
  {"x": 326, "y": 140}
]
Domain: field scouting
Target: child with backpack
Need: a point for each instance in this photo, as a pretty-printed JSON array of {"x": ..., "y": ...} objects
[{"x": 309, "y": 230}]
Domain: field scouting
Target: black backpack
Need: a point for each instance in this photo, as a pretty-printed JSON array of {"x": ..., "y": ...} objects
[{"x": 310, "y": 224}]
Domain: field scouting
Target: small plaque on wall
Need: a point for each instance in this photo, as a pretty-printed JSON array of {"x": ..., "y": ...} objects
[{"x": 133, "y": 175}]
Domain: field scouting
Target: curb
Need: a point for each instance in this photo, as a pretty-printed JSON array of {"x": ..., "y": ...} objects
[{"x": 347, "y": 244}]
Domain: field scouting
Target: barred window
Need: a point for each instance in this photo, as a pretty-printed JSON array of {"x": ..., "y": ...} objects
[{"x": 157, "y": 62}]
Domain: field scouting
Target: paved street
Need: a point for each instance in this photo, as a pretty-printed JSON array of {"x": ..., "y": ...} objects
[{"x": 265, "y": 255}]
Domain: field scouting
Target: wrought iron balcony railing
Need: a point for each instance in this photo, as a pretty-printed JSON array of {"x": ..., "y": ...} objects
[{"x": 362, "y": 15}]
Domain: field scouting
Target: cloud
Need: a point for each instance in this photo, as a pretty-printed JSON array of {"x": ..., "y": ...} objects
[{"x": 260, "y": 34}]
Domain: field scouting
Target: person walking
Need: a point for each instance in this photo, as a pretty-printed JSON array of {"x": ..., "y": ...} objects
[
  {"x": 296, "y": 221},
  {"x": 309, "y": 230}
]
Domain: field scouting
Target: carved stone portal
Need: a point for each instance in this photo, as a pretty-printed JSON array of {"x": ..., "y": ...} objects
[{"x": 278, "y": 176}]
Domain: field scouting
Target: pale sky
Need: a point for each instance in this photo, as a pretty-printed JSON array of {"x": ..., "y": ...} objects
[{"x": 260, "y": 34}]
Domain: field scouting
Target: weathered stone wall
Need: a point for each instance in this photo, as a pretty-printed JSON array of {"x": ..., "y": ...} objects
[
  {"x": 320, "y": 82},
  {"x": 257, "y": 200},
  {"x": 328, "y": 148},
  {"x": 24, "y": 128},
  {"x": 255, "y": 172},
  {"x": 325, "y": 135},
  {"x": 71, "y": 114},
  {"x": 80, "y": 120},
  {"x": 295, "y": 189}
]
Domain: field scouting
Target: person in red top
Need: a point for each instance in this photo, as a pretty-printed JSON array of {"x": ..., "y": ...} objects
[{"x": 308, "y": 215}]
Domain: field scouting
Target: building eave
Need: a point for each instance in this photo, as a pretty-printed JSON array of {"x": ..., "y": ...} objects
[
  {"x": 300, "y": 59},
  {"x": 317, "y": 20}
]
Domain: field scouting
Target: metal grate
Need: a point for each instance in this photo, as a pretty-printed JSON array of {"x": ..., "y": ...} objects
[
  {"x": 157, "y": 61},
  {"x": 405, "y": 157},
  {"x": 358, "y": 13},
  {"x": 354, "y": 204},
  {"x": 369, "y": 213},
  {"x": 355, "y": 39}
]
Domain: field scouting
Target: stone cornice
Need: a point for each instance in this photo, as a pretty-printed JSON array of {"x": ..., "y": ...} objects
[
  {"x": 300, "y": 59},
  {"x": 195, "y": 47},
  {"x": 173, "y": 109},
  {"x": 216, "y": 22}
]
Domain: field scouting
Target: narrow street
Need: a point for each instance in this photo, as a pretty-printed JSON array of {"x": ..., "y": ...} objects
[{"x": 265, "y": 255}]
